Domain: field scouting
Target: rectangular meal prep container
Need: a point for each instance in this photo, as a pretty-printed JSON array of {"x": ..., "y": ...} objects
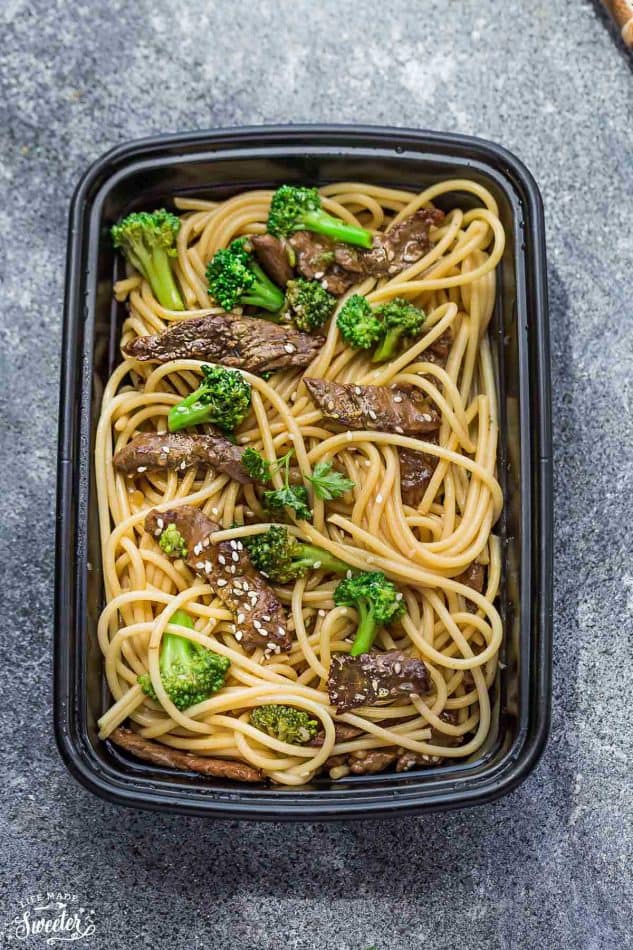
[{"x": 219, "y": 163}]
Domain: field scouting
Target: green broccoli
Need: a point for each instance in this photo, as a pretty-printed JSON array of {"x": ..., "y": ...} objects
[
  {"x": 308, "y": 304},
  {"x": 188, "y": 671},
  {"x": 377, "y": 601},
  {"x": 284, "y": 723},
  {"x": 147, "y": 239},
  {"x": 172, "y": 542},
  {"x": 299, "y": 209},
  {"x": 235, "y": 278},
  {"x": 290, "y": 496},
  {"x": 399, "y": 318},
  {"x": 223, "y": 399},
  {"x": 358, "y": 324},
  {"x": 277, "y": 554}
]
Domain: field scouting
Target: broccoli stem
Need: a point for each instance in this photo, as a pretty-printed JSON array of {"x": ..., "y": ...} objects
[
  {"x": 163, "y": 283},
  {"x": 323, "y": 223},
  {"x": 308, "y": 555},
  {"x": 366, "y": 632},
  {"x": 174, "y": 648},
  {"x": 385, "y": 350},
  {"x": 190, "y": 412},
  {"x": 263, "y": 293}
]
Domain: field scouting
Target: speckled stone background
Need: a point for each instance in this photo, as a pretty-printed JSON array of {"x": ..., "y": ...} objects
[{"x": 550, "y": 865}]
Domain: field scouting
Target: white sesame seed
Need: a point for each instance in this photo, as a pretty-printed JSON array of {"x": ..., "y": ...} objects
[
  {"x": 240, "y": 618},
  {"x": 208, "y": 566},
  {"x": 348, "y": 575},
  {"x": 200, "y": 566},
  {"x": 273, "y": 647},
  {"x": 233, "y": 544},
  {"x": 265, "y": 617},
  {"x": 232, "y": 568},
  {"x": 238, "y": 635},
  {"x": 372, "y": 414},
  {"x": 237, "y": 585},
  {"x": 257, "y": 624},
  {"x": 399, "y": 430},
  {"x": 183, "y": 465},
  {"x": 379, "y": 499},
  {"x": 281, "y": 631},
  {"x": 397, "y": 398},
  {"x": 160, "y": 522},
  {"x": 321, "y": 613},
  {"x": 214, "y": 511},
  {"x": 166, "y": 449},
  {"x": 398, "y": 596},
  {"x": 222, "y": 582},
  {"x": 221, "y": 559},
  {"x": 240, "y": 546},
  {"x": 289, "y": 347},
  {"x": 357, "y": 390},
  {"x": 142, "y": 468},
  {"x": 397, "y": 667},
  {"x": 316, "y": 565},
  {"x": 235, "y": 556}
]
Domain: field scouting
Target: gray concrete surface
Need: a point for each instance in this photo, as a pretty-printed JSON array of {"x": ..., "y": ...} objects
[{"x": 549, "y": 866}]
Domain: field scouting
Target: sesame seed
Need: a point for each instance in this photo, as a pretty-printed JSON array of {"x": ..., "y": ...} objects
[
  {"x": 397, "y": 668},
  {"x": 238, "y": 635},
  {"x": 222, "y": 582},
  {"x": 160, "y": 522},
  {"x": 265, "y": 617},
  {"x": 281, "y": 631},
  {"x": 166, "y": 449},
  {"x": 142, "y": 468},
  {"x": 379, "y": 498},
  {"x": 273, "y": 646},
  {"x": 240, "y": 618},
  {"x": 257, "y": 624},
  {"x": 214, "y": 511},
  {"x": 372, "y": 414},
  {"x": 240, "y": 546},
  {"x": 399, "y": 430},
  {"x": 316, "y": 565},
  {"x": 357, "y": 390},
  {"x": 321, "y": 613},
  {"x": 348, "y": 575},
  {"x": 208, "y": 566},
  {"x": 398, "y": 596},
  {"x": 237, "y": 585},
  {"x": 289, "y": 347},
  {"x": 232, "y": 568},
  {"x": 221, "y": 559},
  {"x": 200, "y": 566},
  {"x": 330, "y": 404},
  {"x": 235, "y": 556},
  {"x": 397, "y": 398},
  {"x": 233, "y": 544},
  {"x": 183, "y": 465}
]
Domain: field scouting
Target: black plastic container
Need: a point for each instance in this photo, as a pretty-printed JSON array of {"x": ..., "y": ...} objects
[{"x": 147, "y": 173}]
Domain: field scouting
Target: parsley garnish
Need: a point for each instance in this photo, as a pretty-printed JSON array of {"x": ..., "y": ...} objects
[{"x": 328, "y": 483}]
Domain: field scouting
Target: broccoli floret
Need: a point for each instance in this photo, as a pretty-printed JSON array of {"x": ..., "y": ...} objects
[
  {"x": 188, "y": 671},
  {"x": 284, "y": 723},
  {"x": 223, "y": 399},
  {"x": 308, "y": 304},
  {"x": 299, "y": 209},
  {"x": 172, "y": 542},
  {"x": 235, "y": 278},
  {"x": 147, "y": 239},
  {"x": 377, "y": 601},
  {"x": 279, "y": 556},
  {"x": 359, "y": 326},
  {"x": 398, "y": 318}
]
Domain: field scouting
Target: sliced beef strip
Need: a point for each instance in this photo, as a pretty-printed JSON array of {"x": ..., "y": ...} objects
[
  {"x": 339, "y": 266},
  {"x": 401, "y": 409},
  {"x": 343, "y": 734},
  {"x": 159, "y": 754},
  {"x": 154, "y": 452},
  {"x": 274, "y": 256},
  {"x": 416, "y": 470},
  {"x": 260, "y": 617},
  {"x": 366, "y": 679},
  {"x": 239, "y": 342},
  {"x": 369, "y": 763},
  {"x": 438, "y": 351},
  {"x": 409, "y": 760},
  {"x": 474, "y": 576}
]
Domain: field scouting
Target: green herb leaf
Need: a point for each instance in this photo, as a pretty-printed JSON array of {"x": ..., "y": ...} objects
[
  {"x": 294, "y": 497},
  {"x": 328, "y": 483}
]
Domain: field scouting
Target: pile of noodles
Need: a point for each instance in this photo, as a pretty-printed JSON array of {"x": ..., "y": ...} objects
[{"x": 421, "y": 549}]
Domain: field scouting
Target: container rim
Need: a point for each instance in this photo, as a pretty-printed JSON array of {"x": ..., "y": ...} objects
[{"x": 305, "y": 805}]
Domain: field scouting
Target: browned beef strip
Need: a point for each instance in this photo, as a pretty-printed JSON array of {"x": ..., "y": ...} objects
[
  {"x": 240, "y": 342},
  {"x": 273, "y": 255},
  {"x": 343, "y": 734},
  {"x": 339, "y": 266},
  {"x": 365, "y": 679},
  {"x": 152, "y": 452},
  {"x": 416, "y": 469},
  {"x": 408, "y": 760},
  {"x": 474, "y": 576},
  {"x": 401, "y": 409},
  {"x": 368, "y": 763},
  {"x": 438, "y": 351},
  {"x": 260, "y": 617},
  {"x": 159, "y": 754}
]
